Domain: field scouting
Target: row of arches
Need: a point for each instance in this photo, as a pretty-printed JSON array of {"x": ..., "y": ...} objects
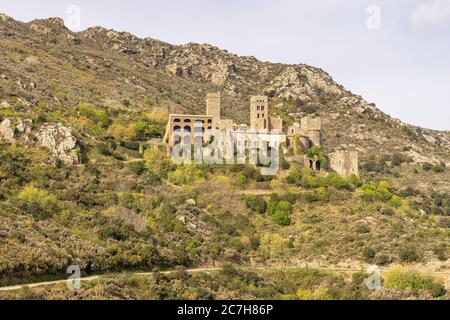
[
  {"x": 189, "y": 129},
  {"x": 190, "y": 121}
]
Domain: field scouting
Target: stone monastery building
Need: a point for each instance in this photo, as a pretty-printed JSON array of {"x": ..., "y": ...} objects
[{"x": 296, "y": 139}]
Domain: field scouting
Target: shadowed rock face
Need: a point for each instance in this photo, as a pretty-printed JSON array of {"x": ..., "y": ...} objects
[{"x": 60, "y": 141}]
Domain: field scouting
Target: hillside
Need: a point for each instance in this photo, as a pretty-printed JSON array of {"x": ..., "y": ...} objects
[{"x": 74, "y": 189}]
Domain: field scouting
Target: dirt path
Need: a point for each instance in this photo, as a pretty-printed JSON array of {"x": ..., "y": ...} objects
[{"x": 445, "y": 275}]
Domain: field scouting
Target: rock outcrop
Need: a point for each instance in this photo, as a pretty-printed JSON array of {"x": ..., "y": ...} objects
[
  {"x": 60, "y": 141},
  {"x": 7, "y": 131},
  {"x": 23, "y": 128},
  {"x": 302, "y": 82}
]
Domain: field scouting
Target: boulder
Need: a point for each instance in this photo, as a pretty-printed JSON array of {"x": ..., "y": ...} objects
[
  {"x": 24, "y": 128},
  {"x": 191, "y": 202},
  {"x": 32, "y": 61},
  {"x": 7, "y": 131},
  {"x": 5, "y": 105},
  {"x": 60, "y": 141}
]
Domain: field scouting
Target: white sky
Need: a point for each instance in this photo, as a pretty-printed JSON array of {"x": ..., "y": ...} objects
[{"x": 403, "y": 66}]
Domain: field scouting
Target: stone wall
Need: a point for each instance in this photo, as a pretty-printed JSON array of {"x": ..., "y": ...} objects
[{"x": 345, "y": 163}]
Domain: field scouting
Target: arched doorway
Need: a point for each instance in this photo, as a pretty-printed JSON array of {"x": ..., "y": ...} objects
[{"x": 318, "y": 165}]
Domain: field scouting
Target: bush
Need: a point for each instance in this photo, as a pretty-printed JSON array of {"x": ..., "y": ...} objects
[
  {"x": 396, "y": 202},
  {"x": 280, "y": 210},
  {"x": 379, "y": 192},
  {"x": 440, "y": 252},
  {"x": 186, "y": 174},
  {"x": 256, "y": 203},
  {"x": 39, "y": 203},
  {"x": 157, "y": 161},
  {"x": 104, "y": 149},
  {"x": 399, "y": 158},
  {"x": 282, "y": 218},
  {"x": 354, "y": 180},
  {"x": 404, "y": 279},
  {"x": 96, "y": 116},
  {"x": 368, "y": 254},
  {"x": 137, "y": 168},
  {"x": 319, "y": 194},
  {"x": 427, "y": 166},
  {"x": 334, "y": 180},
  {"x": 409, "y": 254}
]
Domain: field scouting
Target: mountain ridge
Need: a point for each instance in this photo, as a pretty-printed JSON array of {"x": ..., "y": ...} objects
[{"x": 293, "y": 88}]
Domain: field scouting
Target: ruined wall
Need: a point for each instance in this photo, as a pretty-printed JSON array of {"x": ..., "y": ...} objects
[
  {"x": 311, "y": 123},
  {"x": 344, "y": 163},
  {"x": 316, "y": 137},
  {"x": 276, "y": 124}
]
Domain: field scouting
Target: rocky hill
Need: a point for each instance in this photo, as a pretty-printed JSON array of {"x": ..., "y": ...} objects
[
  {"x": 74, "y": 188},
  {"x": 44, "y": 61}
]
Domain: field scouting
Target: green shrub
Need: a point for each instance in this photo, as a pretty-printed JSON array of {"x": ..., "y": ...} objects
[
  {"x": 137, "y": 168},
  {"x": 256, "y": 203},
  {"x": 396, "y": 202},
  {"x": 368, "y": 254},
  {"x": 441, "y": 252},
  {"x": 157, "y": 161},
  {"x": 334, "y": 180},
  {"x": 104, "y": 149},
  {"x": 186, "y": 174},
  {"x": 116, "y": 230},
  {"x": 378, "y": 192},
  {"x": 280, "y": 210},
  {"x": 282, "y": 218},
  {"x": 354, "y": 180},
  {"x": 404, "y": 279},
  {"x": 97, "y": 116},
  {"x": 39, "y": 203},
  {"x": 319, "y": 194},
  {"x": 409, "y": 254}
]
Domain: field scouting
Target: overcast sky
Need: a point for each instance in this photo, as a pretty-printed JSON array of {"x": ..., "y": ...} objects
[{"x": 393, "y": 53}]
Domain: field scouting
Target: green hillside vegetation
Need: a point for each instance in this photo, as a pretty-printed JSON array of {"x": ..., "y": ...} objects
[{"x": 118, "y": 209}]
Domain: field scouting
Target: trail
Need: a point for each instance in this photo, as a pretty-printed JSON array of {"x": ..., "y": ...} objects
[{"x": 196, "y": 270}]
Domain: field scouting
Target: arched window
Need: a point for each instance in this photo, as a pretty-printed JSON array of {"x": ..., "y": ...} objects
[
  {"x": 177, "y": 120},
  {"x": 187, "y": 120},
  {"x": 177, "y": 128},
  {"x": 187, "y": 129}
]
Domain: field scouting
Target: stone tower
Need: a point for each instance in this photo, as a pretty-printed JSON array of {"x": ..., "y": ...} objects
[
  {"x": 213, "y": 107},
  {"x": 313, "y": 128},
  {"x": 259, "y": 113}
]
